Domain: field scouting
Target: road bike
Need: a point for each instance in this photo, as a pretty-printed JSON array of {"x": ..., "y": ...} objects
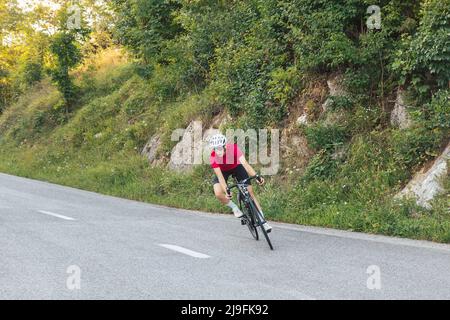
[{"x": 252, "y": 216}]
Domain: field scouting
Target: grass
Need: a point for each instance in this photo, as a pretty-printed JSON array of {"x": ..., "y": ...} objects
[{"x": 97, "y": 149}]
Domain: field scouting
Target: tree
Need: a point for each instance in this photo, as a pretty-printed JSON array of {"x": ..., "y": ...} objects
[
  {"x": 65, "y": 46},
  {"x": 10, "y": 20},
  {"x": 427, "y": 59},
  {"x": 144, "y": 25}
]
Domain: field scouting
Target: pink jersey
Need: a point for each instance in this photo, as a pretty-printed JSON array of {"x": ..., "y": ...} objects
[{"x": 229, "y": 160}]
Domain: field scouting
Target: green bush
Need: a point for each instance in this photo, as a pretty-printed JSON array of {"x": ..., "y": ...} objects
[
  {"x": 321, "y": 166},
  {"x": 145, "y": 26},
  {"x": 415, "y": 146},
  {"x": 30, "y": 73},
  {"x": 424, "y": 57},
  {"x": 436, "y": 114},
  {"x": 326, "y": 136},
  {"x": 339, "y": 103},
  {"x": 68, "y": 54}
]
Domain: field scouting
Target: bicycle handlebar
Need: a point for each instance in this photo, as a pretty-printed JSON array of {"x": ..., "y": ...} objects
[{"x": 242, "y": 182}]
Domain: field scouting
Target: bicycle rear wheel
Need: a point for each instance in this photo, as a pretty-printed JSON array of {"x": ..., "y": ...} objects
[
  {"x": 259, "y": 220},
  {"x": 249, "y": 218}
]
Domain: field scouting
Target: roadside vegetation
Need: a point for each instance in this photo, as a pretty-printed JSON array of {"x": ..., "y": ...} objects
[{"x": 77, "y": 106}]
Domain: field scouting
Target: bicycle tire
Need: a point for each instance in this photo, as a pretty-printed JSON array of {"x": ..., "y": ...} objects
[
  {"x": 250, "y": 219},
  {"x": 258, "y": 218}
]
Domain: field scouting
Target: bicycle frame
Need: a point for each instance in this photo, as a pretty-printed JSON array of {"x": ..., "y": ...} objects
[
  {"x": 256, "y": 220},
  {"x": 242, "y": 186}
]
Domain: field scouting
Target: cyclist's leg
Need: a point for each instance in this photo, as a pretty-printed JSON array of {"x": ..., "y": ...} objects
[
  {"x": 242, "y": 174},
  {"x": 219, "y": 194},
  {"x": 252, "y": 194},
  {"x": 218, "y": 191},
  {"x": 266, "y": 226}
]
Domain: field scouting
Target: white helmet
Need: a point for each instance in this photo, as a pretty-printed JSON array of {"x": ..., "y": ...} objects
[{"x": 217, "y": 140}]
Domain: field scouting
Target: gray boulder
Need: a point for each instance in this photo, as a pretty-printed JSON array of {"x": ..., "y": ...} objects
[
  {"x": 425, "y": 185},
  {"x": 335, "y": 88},
  {"x": 188, "y": 151},
  {"x": 399, "y": 115},
  {"x": 151, "y": 148},
  {"x": 302, "y": 120}
]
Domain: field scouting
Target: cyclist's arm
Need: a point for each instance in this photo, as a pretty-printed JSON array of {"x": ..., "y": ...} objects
[
  {"x": 251, "y": 172},
  {"x": 222, "y": 182}
]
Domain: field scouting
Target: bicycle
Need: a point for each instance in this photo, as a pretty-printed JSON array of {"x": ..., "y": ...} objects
[{"x": 252, "y": 217}]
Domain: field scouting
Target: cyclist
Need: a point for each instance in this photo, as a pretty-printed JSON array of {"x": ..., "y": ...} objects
[{"x": 227, "y": 159}]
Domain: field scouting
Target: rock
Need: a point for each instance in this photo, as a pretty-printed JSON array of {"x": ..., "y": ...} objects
[
  {"x": 399, "y": 115},
  {"x": 219, "y": 120},
  {"x": 188, "y": 151},
  {"x": 295, "y": 148},
  {"x": 151, "y": 148},
  {"x": 335, "y": 86},
  {"x": 426, "y": 185},
  {"x": 302, "y": 120},
  {"x": 336, "y": 89},
  {"x": 326, "y": 105}
]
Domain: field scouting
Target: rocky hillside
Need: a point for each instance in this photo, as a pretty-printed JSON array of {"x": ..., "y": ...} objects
[{"x": 360, "y": 115}]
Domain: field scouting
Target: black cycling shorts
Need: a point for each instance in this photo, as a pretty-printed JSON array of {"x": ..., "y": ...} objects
[{"x": 239, "y": 172}]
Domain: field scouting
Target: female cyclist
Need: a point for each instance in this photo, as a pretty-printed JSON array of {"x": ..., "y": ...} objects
[{"x": 226, "y": 159}]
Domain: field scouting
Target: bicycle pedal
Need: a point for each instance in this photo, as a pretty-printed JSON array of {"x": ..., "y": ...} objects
[{"x": 243, "y": 222}]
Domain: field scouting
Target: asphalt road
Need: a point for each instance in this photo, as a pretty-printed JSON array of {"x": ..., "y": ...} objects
[{"x": 62, "y": 243}]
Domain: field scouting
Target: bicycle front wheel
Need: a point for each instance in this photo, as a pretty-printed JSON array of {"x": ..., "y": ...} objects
[
  {"x": 249, "y": 218},
  {"x": 260, "y": 220}
]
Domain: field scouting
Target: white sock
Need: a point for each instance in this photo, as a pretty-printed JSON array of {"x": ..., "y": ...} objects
[{"x": 232, "y": 205}]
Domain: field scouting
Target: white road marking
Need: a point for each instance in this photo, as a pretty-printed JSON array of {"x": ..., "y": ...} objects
[
  {"x": 56, "y": 215},
  {"x": 185, "y": 251}
]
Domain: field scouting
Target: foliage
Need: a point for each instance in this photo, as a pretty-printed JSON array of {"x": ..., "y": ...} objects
[
  {"x": 144, "y": 26},
  {"x": 415, "y": 146},
  {"x": 261, "y": 61},
  {"x": 424, "y": 57},
  {"x": 436, "y": 113},
  {"x": 65, "y": 46},
  {"x": 326, "y": 137}
]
